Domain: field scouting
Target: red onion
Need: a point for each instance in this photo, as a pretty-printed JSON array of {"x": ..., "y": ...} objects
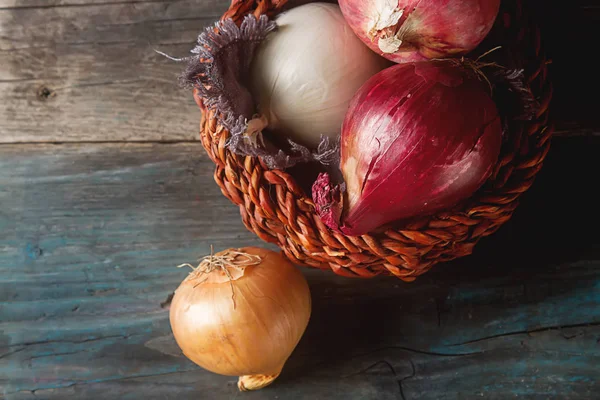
[
  {"x": 417, "y": 138},
  {"x": 413, "y": 30}
]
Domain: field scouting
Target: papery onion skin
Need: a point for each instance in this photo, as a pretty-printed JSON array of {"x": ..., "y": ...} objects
[
  {"x": 250, "y": 335},
  {"x": 413, "y": 30},
  {"x": 417, "y": 138},
  {"x": 305, "y": 73}
]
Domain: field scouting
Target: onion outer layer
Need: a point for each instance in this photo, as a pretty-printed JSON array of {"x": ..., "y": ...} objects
[
  {"x": 413, "y": 30},
  {"x": 417, "y": 138},
  {"x": 305, "y": 73},
  {"x": 242, "y": 319}
]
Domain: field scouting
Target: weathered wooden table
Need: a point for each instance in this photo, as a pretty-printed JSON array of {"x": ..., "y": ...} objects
[{"x": 104, "y": 188}]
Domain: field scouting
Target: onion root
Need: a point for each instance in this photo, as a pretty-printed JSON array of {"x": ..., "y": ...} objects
[{"x": 254, "y": 382}]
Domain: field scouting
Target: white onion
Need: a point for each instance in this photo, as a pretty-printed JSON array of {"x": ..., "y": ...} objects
[{"x": 305, "y": 73}]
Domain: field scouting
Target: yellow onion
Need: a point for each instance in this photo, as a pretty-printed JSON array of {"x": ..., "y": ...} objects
[{"x": 241, "y": 312}]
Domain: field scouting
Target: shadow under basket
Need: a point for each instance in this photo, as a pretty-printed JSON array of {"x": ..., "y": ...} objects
[{"x": 276, "y": 209}]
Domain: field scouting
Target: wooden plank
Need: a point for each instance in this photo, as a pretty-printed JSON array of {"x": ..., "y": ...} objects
[
  {"x": 90, "y": 73},
  {"x": 141, "y": 22},
  {"x": 86, "y": 70},
  {"x": 19, "y": 4},
  {"x": 90, "y": 235},
  {"x": 114, "y": 103}
]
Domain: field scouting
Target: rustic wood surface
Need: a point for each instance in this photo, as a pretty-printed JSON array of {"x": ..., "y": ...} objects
[
  {"x": 93, "y": 225},
  {"x": 91, "y": 234},
  {"x": 86, "y": 70}
]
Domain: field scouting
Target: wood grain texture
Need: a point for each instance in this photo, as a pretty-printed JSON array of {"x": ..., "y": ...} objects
[
  {"x": 90, "y": 235},
  {"x": 86, "y": 70},
  {"x": 90, "y": 72},
  {"x": 20, "y": 4}
]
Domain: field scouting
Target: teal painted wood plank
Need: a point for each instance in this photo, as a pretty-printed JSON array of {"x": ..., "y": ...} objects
[{"x": 91, "y": 235}]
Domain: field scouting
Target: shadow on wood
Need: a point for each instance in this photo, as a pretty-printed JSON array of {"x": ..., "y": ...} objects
[{"x": 538, "y": 265}]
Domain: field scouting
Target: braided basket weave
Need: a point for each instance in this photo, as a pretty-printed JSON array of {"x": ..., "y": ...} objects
[{"x": 275, "y": 208}]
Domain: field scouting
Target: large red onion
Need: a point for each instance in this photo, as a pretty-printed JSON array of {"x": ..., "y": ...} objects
[
  {"x": 417, "y": 138},
  {"x": 412, "y": 30}
]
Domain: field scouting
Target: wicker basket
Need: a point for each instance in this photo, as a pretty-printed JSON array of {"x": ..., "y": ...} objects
[{"x": 275, "y": 208}]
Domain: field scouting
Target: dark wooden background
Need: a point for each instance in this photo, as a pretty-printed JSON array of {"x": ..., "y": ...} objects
[{"x": 104, "y": 188}]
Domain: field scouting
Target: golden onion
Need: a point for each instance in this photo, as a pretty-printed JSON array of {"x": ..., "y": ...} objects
[{"x": 241, "y": 312}]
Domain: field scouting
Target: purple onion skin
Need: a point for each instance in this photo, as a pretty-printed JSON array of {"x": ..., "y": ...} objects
[
  {"x": 417, "y": 138},
  {"x": 429, "y": 28}
]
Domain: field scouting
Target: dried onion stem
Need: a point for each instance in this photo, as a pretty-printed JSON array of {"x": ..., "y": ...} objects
[{"x": 229, "y": 259}]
